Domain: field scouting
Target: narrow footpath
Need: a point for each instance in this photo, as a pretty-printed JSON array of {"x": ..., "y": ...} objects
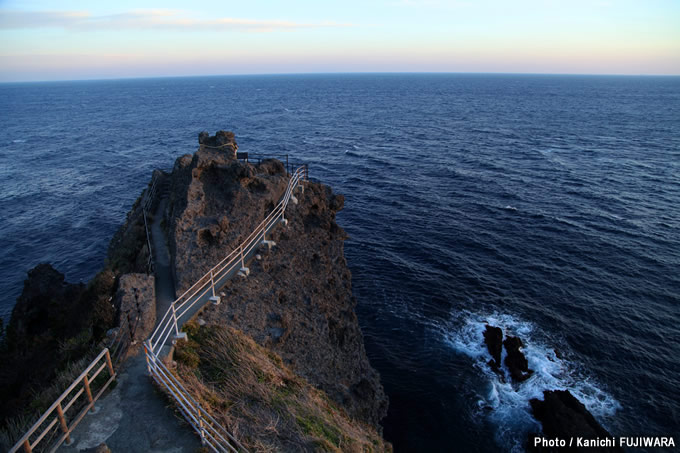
[{"x": 135, "y": 416}]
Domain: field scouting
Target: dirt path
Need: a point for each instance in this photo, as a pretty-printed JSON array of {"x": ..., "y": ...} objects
[{"x": 135, "y": 416}]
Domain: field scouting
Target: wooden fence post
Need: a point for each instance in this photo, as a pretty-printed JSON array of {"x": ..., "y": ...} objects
[
  {"x": 62, "y": 421},
  {"x": 86, "y": 383},
  {"x": 108, "y": 362}
]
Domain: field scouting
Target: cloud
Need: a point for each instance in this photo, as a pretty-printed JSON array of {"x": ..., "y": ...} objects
[
  {"x": 439, "y": 4},
  {"x": 144, "y": 19}
]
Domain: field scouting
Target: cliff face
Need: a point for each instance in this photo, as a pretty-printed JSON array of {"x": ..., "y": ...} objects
[
  {"x": 55, "y": 323},
  {"x": 298, "y": 299},
  {"x": 215, "y": 203}
]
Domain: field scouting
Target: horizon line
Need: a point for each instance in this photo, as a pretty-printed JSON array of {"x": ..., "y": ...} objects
[{"x": 111, "y": 79}]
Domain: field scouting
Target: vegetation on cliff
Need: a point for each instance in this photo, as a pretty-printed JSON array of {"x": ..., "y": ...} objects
[{"x": 265, "y": 404}]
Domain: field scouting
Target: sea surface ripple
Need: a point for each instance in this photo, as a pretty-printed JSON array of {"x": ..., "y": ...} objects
[{"x": 549, "y": 205}]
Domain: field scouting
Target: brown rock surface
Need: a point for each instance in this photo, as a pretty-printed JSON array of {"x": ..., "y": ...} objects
[
  {"x": 215, "y": 203},
  {"x": 298, "y": 299}
]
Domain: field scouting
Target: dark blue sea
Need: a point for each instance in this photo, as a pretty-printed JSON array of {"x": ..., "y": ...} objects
[{"x": 548, "y": 205}]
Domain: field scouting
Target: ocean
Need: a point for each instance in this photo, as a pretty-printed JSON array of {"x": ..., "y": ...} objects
[{"x": 547, "y": 205}]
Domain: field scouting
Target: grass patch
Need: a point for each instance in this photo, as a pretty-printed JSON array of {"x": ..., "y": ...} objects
[{"x": 262, "y": 402}]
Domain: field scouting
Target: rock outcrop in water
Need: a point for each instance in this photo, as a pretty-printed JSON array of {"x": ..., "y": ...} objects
[
  {"x": 493, "y": 337},
  {"x": 297, "y": 300},
  {"x": 515, "y": 361},
  {"x": 53, "y": 324},
  {"x": 563, "y": 416},
  {"x": 560, "y": 413}
]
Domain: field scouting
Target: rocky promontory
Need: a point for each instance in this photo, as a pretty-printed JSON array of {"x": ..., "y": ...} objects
[
  {"x": 56, "y": 327},
  {"x": 296, "y": 306},
  {"x": 298, "y": 299}
]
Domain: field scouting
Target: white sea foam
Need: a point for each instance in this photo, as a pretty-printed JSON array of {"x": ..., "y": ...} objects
[
  {"x": 353, "y": 154},
  {"x": 507, "y": 404},
  {"x": 510, "y": 208},
  {"x": 18, "y": 141}
]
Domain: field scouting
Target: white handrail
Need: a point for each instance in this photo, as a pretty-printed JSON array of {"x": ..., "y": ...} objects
[
  {"x": 210, "y": 432},
  {"x": 162, "y": 332}
]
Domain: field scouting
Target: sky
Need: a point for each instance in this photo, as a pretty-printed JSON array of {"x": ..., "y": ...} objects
[{"x": 73, "y": 40}]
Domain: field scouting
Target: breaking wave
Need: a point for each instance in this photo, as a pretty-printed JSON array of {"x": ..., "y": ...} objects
[{"x": 506, "y": 404}]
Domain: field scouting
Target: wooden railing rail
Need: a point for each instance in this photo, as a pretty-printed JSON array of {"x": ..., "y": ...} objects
[{"x": 58, "y": 411}]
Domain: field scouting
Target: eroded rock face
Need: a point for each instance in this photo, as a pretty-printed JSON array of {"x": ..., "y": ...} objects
[
  {"x": 45, "y": 304},
  {"x": 135, "y": 298},
  {"x": 298, "y": 299},
  {"x": 565, "y": 417},
  {"x": 53, "y": 323},
  {"x": 215, "y": 203},
  {"x": 221, "y": 138}
]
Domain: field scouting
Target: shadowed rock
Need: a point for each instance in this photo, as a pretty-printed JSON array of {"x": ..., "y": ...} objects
[
  {"x": 565, "y": 417},
  {"x": 493, "y": 337},
  {"x": 515, "y": 361}
]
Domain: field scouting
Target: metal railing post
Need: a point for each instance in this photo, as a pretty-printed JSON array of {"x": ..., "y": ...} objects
[
  {"x": 212, "y": 282},
  {"x": 200, "y": 425},
  {"x": 27, "y": 446},
  {"x": 243, "y": 263},
  {"x": 62, "y": 421},
  {"x": 146, "y": 354},
  {"x": 174, "y": 318}
]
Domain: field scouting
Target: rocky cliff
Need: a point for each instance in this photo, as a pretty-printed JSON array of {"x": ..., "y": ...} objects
[
  {"x": 56, "y": 327},
  {"x": 298, "y": 299}
]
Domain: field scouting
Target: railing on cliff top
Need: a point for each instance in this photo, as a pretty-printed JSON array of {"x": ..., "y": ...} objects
[{"x": 211, "y": 432}]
